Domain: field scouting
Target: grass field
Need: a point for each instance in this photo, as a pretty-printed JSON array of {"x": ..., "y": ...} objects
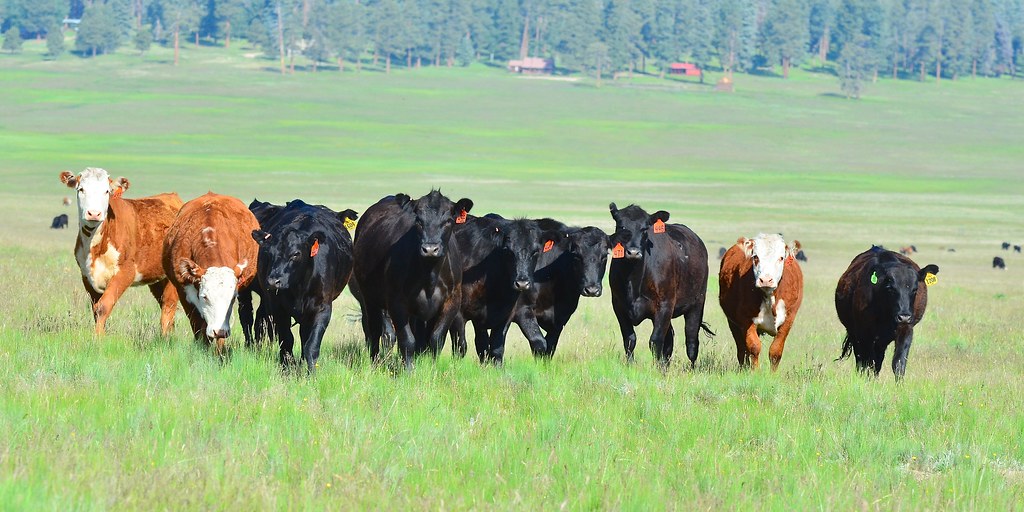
[{"x": 134, "y": 421}]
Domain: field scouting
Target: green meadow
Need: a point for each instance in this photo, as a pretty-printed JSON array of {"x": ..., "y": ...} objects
[{"x": 136, "y": 421}]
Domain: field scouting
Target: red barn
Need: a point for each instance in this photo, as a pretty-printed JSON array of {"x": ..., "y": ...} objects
[{"x": 684, "y": 68}]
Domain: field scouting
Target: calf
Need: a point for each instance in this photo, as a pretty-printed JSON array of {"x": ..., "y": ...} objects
[
  {"x": 305, "y": 261},
  {"x": 408, "y": 268},
  {"x": 1006, "y": 246},
  {"x": 119, "y": 242},
  {"x": 760, "y": 290},
  {"x": 1016, "y": 248},
  {"x": 658, "y": 272},
  {"x": 499, "y": 258},
  {"x": 256, "y": 328},
  {"x": 907, "y": 250},
  {"x": 998, "y": 262},
  {"x": 879, "y": 299},
  {"x": 574, "y": 267},
  {"x": 209, "y": 254},
  {"x": 60, "y": 222}
]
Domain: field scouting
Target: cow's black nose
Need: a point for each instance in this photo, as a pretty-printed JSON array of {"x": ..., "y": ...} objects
[
  {"x": 592, "y": 291},
  {"x": 632, "y": 253},
  {"x": 522, "y": 284},
  {"x": 274, "y": 284},
  {"x": 431, "y": 250},
  {"x": 903, "y": 319}
]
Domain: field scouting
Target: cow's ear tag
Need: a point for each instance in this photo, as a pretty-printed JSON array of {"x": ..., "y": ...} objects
[
  {"x": 930, "y": 279},
  {"x": 874, "y": 278},
  {"x": 315, "y": 249},
  {"x": 550, "y": 244},
  {"x": 461, "y": 219},
  {"x": 350, "y": 224},
  {"x": 618, "y": 251},
  {"x": 659, "y": 226},
  {"x": 117, "y": 192}
]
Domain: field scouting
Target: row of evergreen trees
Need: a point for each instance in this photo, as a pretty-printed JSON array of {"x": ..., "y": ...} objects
[{"x": 942, "y": 38}]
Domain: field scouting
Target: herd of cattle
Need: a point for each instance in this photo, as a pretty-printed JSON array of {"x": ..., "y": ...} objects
[{"x": 422, "y": 268}]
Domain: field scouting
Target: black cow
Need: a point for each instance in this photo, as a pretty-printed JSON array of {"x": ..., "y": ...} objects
[
  {"x": 499, "y": 258},
  {"x": 998, "y": 262},
  {"x": 1016, "y": 248},
  {"x": 305, "y": 261},
  {"x": 880, "y": 298},
  {"x": 409, "y": 269},
  {"x": 721, "y": 252},
  {"x": 801, "y": 256},
  {"x": 574, "y": 267},
  {"x": 659, "y": 272},
  {"x": 60, "y": 222},
  {"x": 261, "y": 326},
  {"x": 1006, "y": 246}
]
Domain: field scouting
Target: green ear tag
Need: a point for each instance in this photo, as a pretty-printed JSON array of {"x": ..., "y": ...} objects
[{"x": 874, "y": 278}]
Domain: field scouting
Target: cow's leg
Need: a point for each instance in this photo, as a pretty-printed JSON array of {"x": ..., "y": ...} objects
[
  {"x": 406, "y": 338},
  {"x": 285, "y": 338},
  {"x": 482, "y": 341},
  {"x": 458, "y": 334},
  {"x": 628, "y": 334},
  {"x": 753, "y": 341},
  {"x": 739, "y": 335},
  {"x": 94, "y": 297},
  {"x": 879, "y": 356},
  {"x": 372, "y": 321},
  {"x": 662, "y": 323},
  {"x": 245, "y": 316},
  {"x": 778, "y": 345},
  {"x": 167, "y": 296},
  {"x": 864, "y": 353},
  {"x": 388, "y": 335},
  {"x": 694, "y": 319},
  {"x": 264, "y": 322},
  {"x": 115, "y": 288},
  {"x": 531, "y": 329},
  {"x": 312, "y": 334},
  {"x": 904, "y": 337},
  {"x": 552, "y": 337}
]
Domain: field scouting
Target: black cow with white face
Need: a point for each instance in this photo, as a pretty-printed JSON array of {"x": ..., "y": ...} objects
[
  {"x": 659, "y": 271},
  {"x": 499, "y": 258},
  {"x": 305, "y": 261},
  {"x": 879, "y": 299},
  {"x": 258, "y": 327},
  {"x": 409, "y": 269}
]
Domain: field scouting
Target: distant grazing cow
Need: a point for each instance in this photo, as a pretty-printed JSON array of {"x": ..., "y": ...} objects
[
  {"x": 658, "y": 272},
  {"x": 1006, "y": 246},
  {"x": 66, "y": 201},
  {"x": 880, "y": 298},
  {"x": 498, "y": 258},
  {"x": 209, "y": 254},
  {"x": 800, "y": 256},
  {"x": 721, "y": 252},
  {"x": 409, "y": 270},
  {"x": 951, "y": 249},
  {"x": 1016, "y": 248},
  {"x": 907, "y": 250},
  {"x": 564, "y": 274},
  {"x": 305, "y": 261},
  {"x": 261, "y": 326},
  {"x": 119, "y": 242},
  {"x": 760, "y": 291},
  {"x": 60, "y": 222},
  {"x": 998, "y": 262}
]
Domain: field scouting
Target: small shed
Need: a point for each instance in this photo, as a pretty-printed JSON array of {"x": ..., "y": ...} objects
[
  {"x": 684, "y": 68},
  {"x": 532, "y": 66}
]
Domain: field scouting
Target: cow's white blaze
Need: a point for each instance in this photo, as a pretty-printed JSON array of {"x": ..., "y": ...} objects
[
  {"x": 769, "y": 254},
  {"x": 94, "y": 190},
  {"x": 215, "y": 298}
]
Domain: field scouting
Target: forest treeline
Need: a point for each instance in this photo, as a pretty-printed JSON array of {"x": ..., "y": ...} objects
[{"x": 908, "y": 38}]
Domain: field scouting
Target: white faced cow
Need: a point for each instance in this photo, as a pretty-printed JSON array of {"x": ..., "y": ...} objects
[{"x": 119, "y": 242}]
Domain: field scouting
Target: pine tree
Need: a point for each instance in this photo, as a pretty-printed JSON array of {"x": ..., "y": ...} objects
[
  {"x": 54, "y": 42},
  {"x": 854, "y": 65},
  {"x": 13, "y": 40},
  {"x": 786, "y": 33},
  {"x": 143, "y": 39},
  {"x": 98, "y": 32}
]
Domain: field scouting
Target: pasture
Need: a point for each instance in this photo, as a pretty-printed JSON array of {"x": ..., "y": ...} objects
[{"x": 134, "y": 421}]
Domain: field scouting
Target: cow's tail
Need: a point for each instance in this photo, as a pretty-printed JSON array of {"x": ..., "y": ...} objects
[
  {"x": 707, "y": 330},
  {"x": 847, "y": 348}
]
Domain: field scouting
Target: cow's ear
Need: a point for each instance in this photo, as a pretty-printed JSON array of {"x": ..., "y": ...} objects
[
  {"x": 747, "y": 244},
  {"x": 614, "y": 211},
  {"x": 930, "y": 269},
  {"x": 661, "y": 215},
  {"x": 348, "y": 214},
  {"x": 794, "y": 247},
  {"x": 549, "y": 239},
  {"x": 260, "y": 236},
  {"x": 463, "y": 205},
  {"x": 402, "y": 199},
  {"x": 189, "y": 272},
  {"x": 241, "y": 267},
  {"x": 120, "y": 185},
  {"x": 69, "y": 179}
]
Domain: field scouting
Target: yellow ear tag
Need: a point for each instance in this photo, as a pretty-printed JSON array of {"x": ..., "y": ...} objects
[
  {"x": 930, "y": 279},
  {"x": 350, "y": 224}
]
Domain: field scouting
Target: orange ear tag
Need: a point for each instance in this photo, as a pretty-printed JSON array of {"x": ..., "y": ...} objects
[
  {"x": 659, "y": 226},
  {"x": 461, "y": 219},
  {"x": 618, "y": 251},
  {"x": 315, "y": 249},
  {"x": 550, "y": 244},
  {"x": 117, "y": 192}
]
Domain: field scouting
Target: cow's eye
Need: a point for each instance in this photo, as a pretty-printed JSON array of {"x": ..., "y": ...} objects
[
  {"x": 756, "y": 260},
  {"x": 108, "y": 192},
  {"x": 204, "y": 297},
  {"x": 781, "y": 259}
]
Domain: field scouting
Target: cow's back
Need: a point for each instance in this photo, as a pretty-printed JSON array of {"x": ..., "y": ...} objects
[
  {"x": 691, "y": 259},
  {"x": 153, "y": 217},
  {"x": 380, "y": 228}
]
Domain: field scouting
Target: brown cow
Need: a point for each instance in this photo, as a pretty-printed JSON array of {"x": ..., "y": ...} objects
[
  {"x": 119, "y": 243},
  {"x": 209, "y": 254},
  {"x": 760, "y": 290}
]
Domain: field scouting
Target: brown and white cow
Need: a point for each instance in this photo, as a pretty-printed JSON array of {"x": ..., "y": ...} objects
[
  {"x": 760, "y": 290},
  {"x": 209, "y": 254},
  {"x": 119, "y": 242}
]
